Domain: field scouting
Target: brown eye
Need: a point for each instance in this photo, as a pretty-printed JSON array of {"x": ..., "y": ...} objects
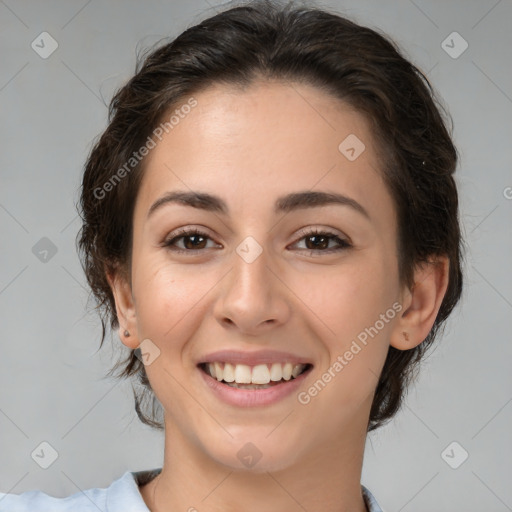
[
  {"x": 319, "y": 241},
  {"x": 193, "y": 240}
]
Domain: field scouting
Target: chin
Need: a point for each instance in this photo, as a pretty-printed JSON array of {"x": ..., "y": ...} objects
[{"x": 256, "y": 453}]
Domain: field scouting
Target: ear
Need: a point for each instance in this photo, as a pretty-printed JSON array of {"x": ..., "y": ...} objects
[
  {"x": 421, "y": 304},
  {"x": 125, "y": 307}
]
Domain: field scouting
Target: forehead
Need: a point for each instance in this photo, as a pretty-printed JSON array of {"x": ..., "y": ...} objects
[{"x": 270, "y": 138}]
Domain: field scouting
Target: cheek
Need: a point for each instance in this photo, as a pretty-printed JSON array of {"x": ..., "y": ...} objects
[
  {"x": 168, "y": 298},
  {"x": 349, "y": 299},
  {"x": 351, "y": 305}
]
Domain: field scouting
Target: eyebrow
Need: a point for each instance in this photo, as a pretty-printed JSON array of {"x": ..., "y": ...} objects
[{"x": 284, "y": 204}]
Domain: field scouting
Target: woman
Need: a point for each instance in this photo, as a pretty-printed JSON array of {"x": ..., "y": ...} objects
[{"x": 270, "y": 220}]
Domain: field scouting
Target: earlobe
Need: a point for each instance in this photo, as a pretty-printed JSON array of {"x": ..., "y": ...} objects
[
  {"x": 421, "y": 304},
  {"x": 125, "y": 308}
]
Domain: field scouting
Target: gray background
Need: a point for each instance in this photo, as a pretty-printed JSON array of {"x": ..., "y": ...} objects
[{"x": 51, "y": 380}]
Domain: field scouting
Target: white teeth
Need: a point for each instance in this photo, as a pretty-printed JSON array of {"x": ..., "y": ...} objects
[
  {"x": 297, "y": 369},
  {"x": 260, "y": 374},
  {"x": 276, "y": 372},
  {"x": 229, "y": 373},
  {"x": 219, "y": 373},
  {"x": 243, "y": 374}
]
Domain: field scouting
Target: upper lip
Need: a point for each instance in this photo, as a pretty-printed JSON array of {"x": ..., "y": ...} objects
[{"x": 253, "y": 358}]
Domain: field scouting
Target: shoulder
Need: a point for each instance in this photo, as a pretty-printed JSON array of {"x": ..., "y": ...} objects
[
  {"x": 38, "y": 501},
  {"x": 122, "y": 495}
]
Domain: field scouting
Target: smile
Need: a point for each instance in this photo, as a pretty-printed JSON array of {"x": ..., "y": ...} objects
[
  {"x": 249, "y": 386},
  {"x": 260, "y": 376}
]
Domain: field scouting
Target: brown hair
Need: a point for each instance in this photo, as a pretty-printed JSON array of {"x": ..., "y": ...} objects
[{"x": 353, "y": 63}]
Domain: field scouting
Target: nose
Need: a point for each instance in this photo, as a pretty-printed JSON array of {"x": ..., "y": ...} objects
[{"x": 254, "y": 297}]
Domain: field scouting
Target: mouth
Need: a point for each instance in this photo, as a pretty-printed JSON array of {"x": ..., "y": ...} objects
[{"x": 257, "y": 377}]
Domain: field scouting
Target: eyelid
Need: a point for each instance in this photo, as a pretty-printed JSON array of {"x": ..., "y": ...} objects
[
  {"x": 324, "y": 229},
  {"x": 343, "y": 242},
  {"x": 185, "y": 232}
]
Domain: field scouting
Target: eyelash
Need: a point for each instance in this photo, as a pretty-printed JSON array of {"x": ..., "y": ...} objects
[{"x": 185, "y": 232}]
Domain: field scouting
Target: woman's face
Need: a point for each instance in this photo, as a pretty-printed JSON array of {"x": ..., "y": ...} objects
[{"x": 258, "y": 283}]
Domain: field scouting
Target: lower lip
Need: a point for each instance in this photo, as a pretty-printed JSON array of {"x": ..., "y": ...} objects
[{"x": 253, "y": 397}]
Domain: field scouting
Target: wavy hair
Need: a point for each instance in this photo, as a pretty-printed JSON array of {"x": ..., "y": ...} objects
[{"x": 353, "y": 63}]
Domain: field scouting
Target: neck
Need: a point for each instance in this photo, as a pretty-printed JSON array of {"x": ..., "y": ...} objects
[{"x": 326, "y": 478}]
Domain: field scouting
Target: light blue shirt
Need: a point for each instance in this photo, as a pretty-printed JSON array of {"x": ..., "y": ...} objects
[{"x": 122, "y": 495}]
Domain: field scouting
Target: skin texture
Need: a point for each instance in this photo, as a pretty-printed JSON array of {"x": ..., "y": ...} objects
[{"x": 250, "y": 148}]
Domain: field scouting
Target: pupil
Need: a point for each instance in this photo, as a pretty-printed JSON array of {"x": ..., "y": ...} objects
[
  {"x": 193, "y": 245},
  {"x": 316, "y": 237}
]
